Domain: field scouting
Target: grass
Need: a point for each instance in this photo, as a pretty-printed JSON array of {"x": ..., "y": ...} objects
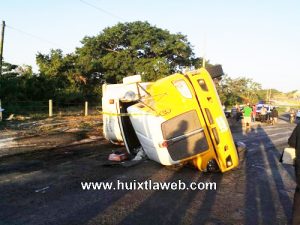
[{"x": 39, "y": 110}]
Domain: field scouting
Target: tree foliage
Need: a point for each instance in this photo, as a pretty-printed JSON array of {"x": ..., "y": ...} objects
[
  {"x": 118, "y": 51},
  {"x": 13, "y": 81},
  {"x": 238, "y": 90},
  {"x": 122, "y": 50},
  {"x": 134, "y": 48}
]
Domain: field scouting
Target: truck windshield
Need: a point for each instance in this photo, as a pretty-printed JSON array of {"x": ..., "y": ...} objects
[
  {"x": 182, "y": 87},
  {"x": 185, "y": 135}
]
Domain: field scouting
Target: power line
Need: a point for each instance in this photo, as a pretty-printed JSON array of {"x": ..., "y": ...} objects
[
  {"x": 53, "y": 43},
  {"x": 33, "y": 36},
  {"x": 102, "y": 10}
]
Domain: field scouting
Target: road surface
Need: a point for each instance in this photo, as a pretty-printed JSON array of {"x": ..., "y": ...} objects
[{"x": 44, "y": 186}]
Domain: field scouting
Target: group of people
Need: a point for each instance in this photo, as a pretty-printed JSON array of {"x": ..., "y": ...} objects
[
  {"x": 249, "y": 115},
  {"x": 268, "y": 116}
]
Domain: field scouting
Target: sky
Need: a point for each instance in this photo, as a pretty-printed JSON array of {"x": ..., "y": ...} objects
[{"x": 259, "y": 40}]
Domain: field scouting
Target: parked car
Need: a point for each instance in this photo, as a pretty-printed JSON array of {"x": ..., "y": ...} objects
[
  {"x": 258, "y": 112},
  {"x": 298, "y": 114},
  {"x": 259, "y": 106}
]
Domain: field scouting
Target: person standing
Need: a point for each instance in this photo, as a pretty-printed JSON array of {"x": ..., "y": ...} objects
[
  {"x": 294, "y": 142},
  {"x": 247, "y": 115},
  {"x": 238, "y": 113},
  {"x": 292, "y": 115},
  {"x": 253, "y": 113},
  {"x": 263, "y": 114},
  {"x": 274, "y": 115}
]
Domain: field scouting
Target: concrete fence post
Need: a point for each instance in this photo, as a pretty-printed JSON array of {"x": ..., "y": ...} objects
[
  {"x": 50, "y": 108},
  {"x": 86, "y": 108}
]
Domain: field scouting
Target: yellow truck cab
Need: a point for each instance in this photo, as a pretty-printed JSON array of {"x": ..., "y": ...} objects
[{"x": 177, "y": 119}]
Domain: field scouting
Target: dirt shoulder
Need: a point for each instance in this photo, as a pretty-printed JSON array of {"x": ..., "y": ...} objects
[{"x": 21, "y": 136}]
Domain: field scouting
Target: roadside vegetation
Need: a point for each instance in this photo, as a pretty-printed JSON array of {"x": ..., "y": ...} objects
[{"x": 118, "y": 51}]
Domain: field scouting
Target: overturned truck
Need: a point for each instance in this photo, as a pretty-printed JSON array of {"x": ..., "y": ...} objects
[{"x": 176, "y": 120}]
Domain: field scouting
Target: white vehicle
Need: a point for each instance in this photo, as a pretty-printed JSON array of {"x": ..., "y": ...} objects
[
  {"x": 175, "y": 120},
  {"x": 259, "y": 106},
  {"x": 115, "y": 100},
  {"x": 298, "y": 114}
]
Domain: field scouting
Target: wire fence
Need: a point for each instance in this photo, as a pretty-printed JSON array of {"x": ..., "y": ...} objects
[{"x": 42, "y": 108}]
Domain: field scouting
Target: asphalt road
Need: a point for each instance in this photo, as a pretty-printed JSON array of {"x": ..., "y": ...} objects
[{"x": 44, "y": 187}]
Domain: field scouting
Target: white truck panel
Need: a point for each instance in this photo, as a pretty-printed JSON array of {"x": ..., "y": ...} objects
[
  {"x": 148, "y": 131},
  {"x": 115, "y": 92}
]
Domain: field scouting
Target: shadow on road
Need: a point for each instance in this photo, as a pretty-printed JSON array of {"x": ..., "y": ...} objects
[
  {"x": 266, "y": 197},
  {"x": 259, "y": 192}
]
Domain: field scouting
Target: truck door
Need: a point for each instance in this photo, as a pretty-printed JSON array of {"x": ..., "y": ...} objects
[{"x": 216, "y": 121}]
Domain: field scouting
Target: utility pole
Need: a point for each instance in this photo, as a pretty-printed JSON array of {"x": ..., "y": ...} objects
[
  {"x": 1, "y": 45},
  {"x": 269, "y": 93},
  {"x": 268, "y": 96}
]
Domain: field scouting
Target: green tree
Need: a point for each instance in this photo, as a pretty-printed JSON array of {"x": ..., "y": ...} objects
[
  {"x": 268, "y": 94},
  {"x": 134, "y": 48},
  {"x": 238, "y": 90},
  {"x": 8, "y": 70},
  {"x": 62, "y": 74},
  {"x": 13, "y": 82}
]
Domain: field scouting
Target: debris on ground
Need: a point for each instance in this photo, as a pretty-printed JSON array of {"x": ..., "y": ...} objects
[
  {"x": 118, "y": 156},
  {"x": 42, "y": 190},
  {"x": 121, "y": 158},
  {"x": 11, "y": 116},
  {"x": 140, "y": 155}
]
